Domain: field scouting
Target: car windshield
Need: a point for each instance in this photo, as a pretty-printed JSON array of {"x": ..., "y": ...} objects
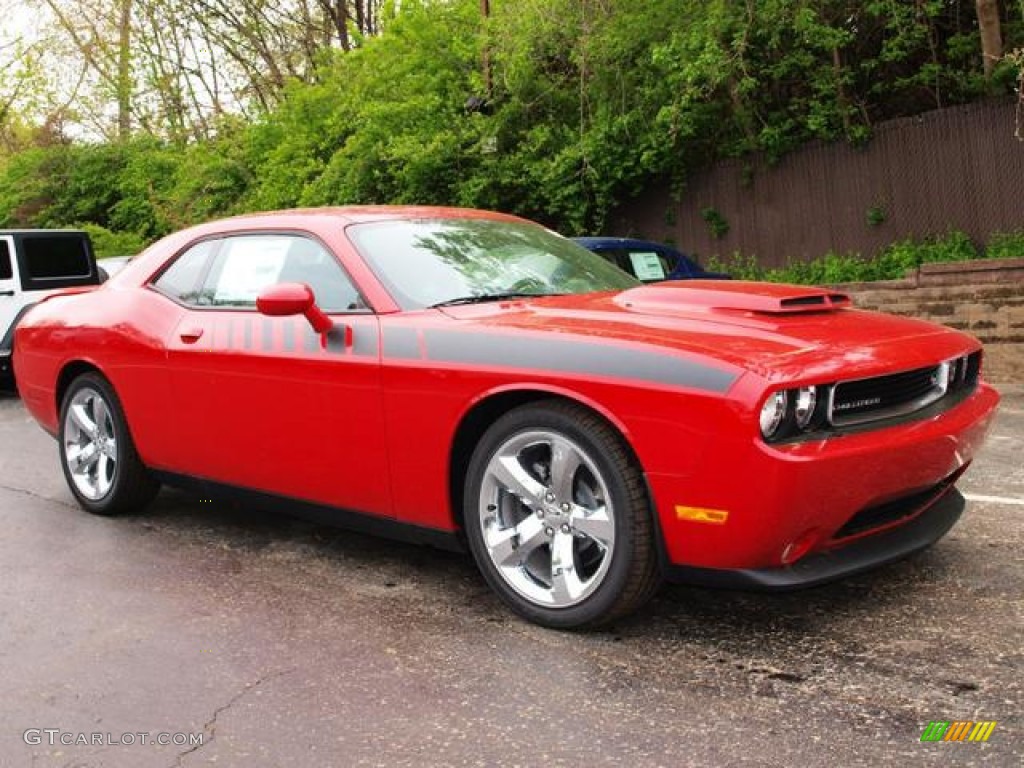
[{"x": 430, "y": 262}]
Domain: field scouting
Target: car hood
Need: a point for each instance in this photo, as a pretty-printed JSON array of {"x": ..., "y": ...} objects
[{"x": 778, "y": 331}]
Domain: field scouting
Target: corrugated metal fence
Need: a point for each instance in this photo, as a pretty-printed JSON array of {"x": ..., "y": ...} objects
[{"x": 958, "y": 168}]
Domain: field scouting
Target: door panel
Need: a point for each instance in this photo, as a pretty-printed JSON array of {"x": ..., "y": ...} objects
[{"x": 269, "y": 404}]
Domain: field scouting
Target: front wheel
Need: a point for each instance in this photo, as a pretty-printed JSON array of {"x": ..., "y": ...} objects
[
  {"x": 558, "y": 519},
  {"x": 100, "y": 463}
]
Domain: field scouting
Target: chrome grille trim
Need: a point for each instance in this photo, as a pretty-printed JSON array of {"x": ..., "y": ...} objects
[{"x": 936, "y": 378}]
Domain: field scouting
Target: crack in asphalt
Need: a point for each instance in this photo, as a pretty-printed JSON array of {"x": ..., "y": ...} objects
[
  {"x": 34, "y": 495},
  {"x": 210, "y": 726}
]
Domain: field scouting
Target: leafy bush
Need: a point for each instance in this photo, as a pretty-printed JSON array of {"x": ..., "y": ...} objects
[
  {"x": 741, "y": 266},
  {"x": 106, "y": 243},
  {"x": 891, "y": 263},
  {"x": 1005, "y": 245}
]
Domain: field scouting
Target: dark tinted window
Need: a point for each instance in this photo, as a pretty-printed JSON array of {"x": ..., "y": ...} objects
[
  {"x": 51, "y": 257},
  {"x": 689, "y": 265},
  {"x": 247, "y": 264},
  {"x": 616, "y": 257},
  {"x": 181, "y": 279},
  {"x": 6, "y": 271}
]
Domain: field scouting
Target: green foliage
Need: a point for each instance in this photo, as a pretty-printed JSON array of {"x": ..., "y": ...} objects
[
  {"x": 27, "y": 185},
  {"x": 53, "y": 186},
  {"x": 587, "y": 102},
  {"x": 742, "y": 266},
  {"x": 717, "y": 223},
  {"x": 876, "y": 216},
  {"x": 890, "y": 263},
  {"x": 146, "y": 186},
  {"x": 1005, "y": 245},
  {"x": 899, "y": 257},
  {"x": 106, "y": 243},
  {"x": 385, "y": 124}
]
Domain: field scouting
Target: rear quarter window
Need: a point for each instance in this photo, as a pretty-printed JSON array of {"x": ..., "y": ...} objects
[
  {"x": 56, "y": 257},
  {"x": 181, "y": 280}
]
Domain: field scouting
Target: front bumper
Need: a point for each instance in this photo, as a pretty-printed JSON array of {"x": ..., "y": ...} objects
[
  {"x": 861, "y": 555},
  {"x": 773, "y": 506}
]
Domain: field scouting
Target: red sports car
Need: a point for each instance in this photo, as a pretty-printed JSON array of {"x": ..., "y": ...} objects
[{"x": 472, "y": 379}]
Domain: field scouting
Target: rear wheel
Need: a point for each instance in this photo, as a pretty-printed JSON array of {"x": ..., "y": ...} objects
[
  {"x": 100, "y": 463},
  {"x": 558, "y": 519}
]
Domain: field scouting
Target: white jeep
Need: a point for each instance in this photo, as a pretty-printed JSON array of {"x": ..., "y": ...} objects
[{"x": 33, "y": 264}]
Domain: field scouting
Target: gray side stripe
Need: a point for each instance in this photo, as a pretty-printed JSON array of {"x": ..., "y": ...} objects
[
  {"x": 311, "y": 339},
  {"x": 401, "y": 342},
  {"x": 288, "y": 336},
  {"x": 268, "y": 333},
  {"x": 364, "y": 339},
  {"x": 575, "y": 357},
  {"x": 247, "y": 334}
]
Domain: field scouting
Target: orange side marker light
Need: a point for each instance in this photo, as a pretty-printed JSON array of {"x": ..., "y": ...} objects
[{"x": 702, "y": 515}]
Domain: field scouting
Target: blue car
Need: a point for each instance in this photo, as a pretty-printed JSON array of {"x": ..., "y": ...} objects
[{"x": 648, "y": 261}]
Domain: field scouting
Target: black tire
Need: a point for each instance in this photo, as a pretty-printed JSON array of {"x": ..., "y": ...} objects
[
  {"x": 7, "y": 383},
  {"x": 606, "y": 481},
  {"x": 126, "y": 486}
]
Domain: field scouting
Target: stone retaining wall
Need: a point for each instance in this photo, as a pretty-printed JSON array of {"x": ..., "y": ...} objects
[{"x": 984, "y": 298}]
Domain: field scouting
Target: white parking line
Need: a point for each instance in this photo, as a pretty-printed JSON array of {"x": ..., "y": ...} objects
[{"x": 994, "y": 499}]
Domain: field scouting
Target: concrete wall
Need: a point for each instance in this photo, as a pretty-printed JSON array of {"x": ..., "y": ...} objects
[{"x": 984, "y": 298}]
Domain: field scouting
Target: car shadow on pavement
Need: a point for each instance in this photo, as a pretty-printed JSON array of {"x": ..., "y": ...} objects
[{"x": 440, "y": 576}]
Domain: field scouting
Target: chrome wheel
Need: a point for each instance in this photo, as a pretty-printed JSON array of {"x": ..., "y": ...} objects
[
  {"x": 547, "y": 518},
  {"x": 90, "y": 444}
]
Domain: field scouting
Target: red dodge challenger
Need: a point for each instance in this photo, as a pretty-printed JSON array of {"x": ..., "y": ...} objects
[{"x": 469, "y": 378}]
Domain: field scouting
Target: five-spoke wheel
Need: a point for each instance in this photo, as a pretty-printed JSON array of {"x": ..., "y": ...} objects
[
  {"x": 102, "y": 468},
  {"x": 89, "y": 444},
  {"x": 557, "y": 517}
]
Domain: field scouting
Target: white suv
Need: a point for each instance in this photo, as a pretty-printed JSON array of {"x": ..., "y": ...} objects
[{"x": 33, "y": 264}]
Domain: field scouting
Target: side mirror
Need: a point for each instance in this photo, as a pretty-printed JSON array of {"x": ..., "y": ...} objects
[{"x": 286, "y": 299}]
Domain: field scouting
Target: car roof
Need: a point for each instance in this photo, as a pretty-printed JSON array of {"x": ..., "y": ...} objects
[
  {"x": 355, "y": 214},
  {"x": 346, "y": 214}
]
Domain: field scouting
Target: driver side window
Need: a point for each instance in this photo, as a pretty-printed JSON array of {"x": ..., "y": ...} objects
[{"x": 247, "y": 264}]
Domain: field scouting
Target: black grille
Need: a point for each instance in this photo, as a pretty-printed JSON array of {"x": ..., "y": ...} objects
[
  {"x": 973, "y": 368},
  {"x": 900, "y": 394},
  {"x": 853, "y": 399},
  {"x": 893, "y": 511}
]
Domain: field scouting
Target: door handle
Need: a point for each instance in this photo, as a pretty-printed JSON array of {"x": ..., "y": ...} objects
[
  {"x": 6, "y": 293},
  {"x": 192, "y": 335}
]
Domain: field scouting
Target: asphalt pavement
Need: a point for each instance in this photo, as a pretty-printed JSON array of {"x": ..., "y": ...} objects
[{"x": 281, "y": 643}]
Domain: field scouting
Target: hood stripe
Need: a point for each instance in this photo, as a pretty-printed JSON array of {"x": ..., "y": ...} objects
[{"x": 574, "y": 357}]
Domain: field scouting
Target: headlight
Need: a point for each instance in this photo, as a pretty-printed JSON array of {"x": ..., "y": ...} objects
[
  {"x": 806, "y": 400},
  {"x": 772, "y": 413}
]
